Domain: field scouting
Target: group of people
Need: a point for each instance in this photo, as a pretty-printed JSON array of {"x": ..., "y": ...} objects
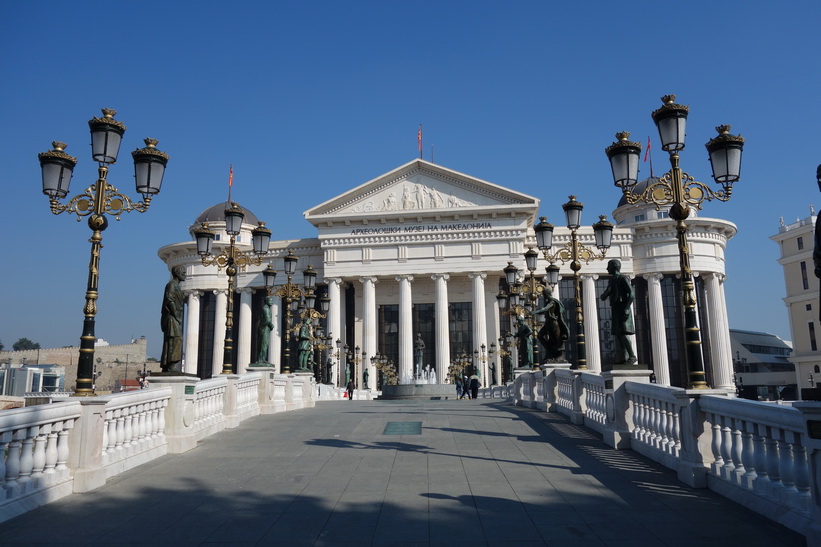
[{"x": 467, "y": 387}]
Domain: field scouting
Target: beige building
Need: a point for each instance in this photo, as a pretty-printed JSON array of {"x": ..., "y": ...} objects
[{"x": 796, "y": 242}]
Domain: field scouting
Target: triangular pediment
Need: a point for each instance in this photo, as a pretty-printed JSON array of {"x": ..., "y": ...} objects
[{"x": 419, "y": 188}]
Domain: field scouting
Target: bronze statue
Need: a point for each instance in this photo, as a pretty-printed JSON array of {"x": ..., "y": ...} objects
[
  {"x": 524, "y": 334},
  {"x": 264, "y": 327},
  {"x": 419, "y": 350},
  {"x": 305, "y": 344},
  {"x": 365, "y": 375},
  {"x": 621, "y": 295},
  {"x": 173, "y": 305},
  {"x": 554, "y": 332}
]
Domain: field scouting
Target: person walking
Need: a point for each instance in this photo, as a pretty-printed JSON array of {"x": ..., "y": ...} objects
[
  {"x": 459, "y": 388},
  {"x": 466, "y": 387},
  {"x": 350, "y": 390},
  {"x": 474, "y": 387}
]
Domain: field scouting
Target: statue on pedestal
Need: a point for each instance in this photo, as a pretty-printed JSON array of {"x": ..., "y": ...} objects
[
  {"x": 305, "y": 344},
  {"x": 620, "y": 292},
  {"x": 418, "y": 352},
  {"x": 173, "y": 305},
  {"x": 525, "y": 336},
  {"x": 554, "y": 332},
  {"x": 264, "y": 327}
]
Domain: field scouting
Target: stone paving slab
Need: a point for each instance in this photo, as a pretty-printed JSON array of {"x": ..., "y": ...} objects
[{"x": 480, "y": 473}]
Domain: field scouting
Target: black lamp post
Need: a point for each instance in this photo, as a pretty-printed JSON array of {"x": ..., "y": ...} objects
[
  {"x": 574, "y": 252},
  {"x": 680, "y": 190},
  {"x": 98, "y": 200},
  {"x": 233, "y": 260}
]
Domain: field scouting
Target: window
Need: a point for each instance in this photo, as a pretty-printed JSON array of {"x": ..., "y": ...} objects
[
  {"x": 800, "y": 242},
  {"x": 813, "y": 343},
  {"x": 809, "y": 307},
  {"x": 639, "y": 218},
  {"x": 663, "y": 214},
  {"x": 804, "y": 279}
]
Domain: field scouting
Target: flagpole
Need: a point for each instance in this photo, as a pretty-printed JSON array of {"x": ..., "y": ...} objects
[
  {"x": 230, "y": 182},
  {"x": 419, "y": 141}
]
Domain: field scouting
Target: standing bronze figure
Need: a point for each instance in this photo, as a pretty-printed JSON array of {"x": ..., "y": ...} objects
[{"x": 173, "y": 305}]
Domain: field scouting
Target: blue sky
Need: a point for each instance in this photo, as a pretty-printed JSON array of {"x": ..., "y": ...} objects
[{"x": 309, "y": 99}]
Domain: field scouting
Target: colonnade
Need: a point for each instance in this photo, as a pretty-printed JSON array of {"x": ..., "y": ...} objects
[{"x": 486, "y": 321}]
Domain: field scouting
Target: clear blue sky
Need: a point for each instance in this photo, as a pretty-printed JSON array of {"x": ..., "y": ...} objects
[{"x": 309, "y": 99}]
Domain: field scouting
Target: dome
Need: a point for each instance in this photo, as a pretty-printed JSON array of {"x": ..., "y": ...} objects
[
  {"x": 216, "y": 213},
  {"x": 640, "y": 187}
]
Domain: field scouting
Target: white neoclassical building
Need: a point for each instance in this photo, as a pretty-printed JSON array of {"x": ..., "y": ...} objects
[{"x": 421, "y": 251}]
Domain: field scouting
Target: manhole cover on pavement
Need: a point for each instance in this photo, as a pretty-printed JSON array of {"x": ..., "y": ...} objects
[{"x": 403, "y": 428}]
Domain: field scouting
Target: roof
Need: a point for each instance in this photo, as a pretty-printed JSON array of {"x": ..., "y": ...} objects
[
  {"x": 216, "y": 213},
  {"x": 753, "y": 338}
]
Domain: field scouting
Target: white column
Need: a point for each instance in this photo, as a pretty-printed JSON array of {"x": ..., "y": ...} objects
[
  {"x": 442, "y": 322},
  {"x": 192, "y": 332},
  {"x": 406, "y": 338},
  {"x": 275, "y": 346},
  {"x": 493, "y": 337},
  {"x": 591, "y": 322},
  {"x": 334, "y": 320},
  {"x": 480, "y": 319},
  {"x": 368, "y": 330},
  {"x": 722, "y": 363},
  {"x": 245, "y": 331},
  {"x": 219, "y": 331},
  {"x": 658, "y": 335}
]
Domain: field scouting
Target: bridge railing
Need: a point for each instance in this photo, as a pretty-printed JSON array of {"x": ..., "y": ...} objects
[
  {"x": 762, "y": 455},
  {"x": 48, "y": 451}
]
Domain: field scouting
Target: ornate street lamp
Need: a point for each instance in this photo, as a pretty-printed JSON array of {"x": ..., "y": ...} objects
[
  {"x": 98, "y": 200},
  {"x": 233, "y": 260},
  {"x": 574, "y": 252},
  {"x": 292, "y": 295},
  {"x": 356, "y": 359},
  {"x": 680, "y": 190}
]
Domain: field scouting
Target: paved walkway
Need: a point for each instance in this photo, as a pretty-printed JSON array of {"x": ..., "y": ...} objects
[{"x": 479, "y": 473}]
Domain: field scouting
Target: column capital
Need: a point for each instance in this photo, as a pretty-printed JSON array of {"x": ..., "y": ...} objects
[
  {"x": 246, "y": 290},
  {"x": 193, "y": 292},
  {"x": 333, "y": 280},
  {"x": 367, "y": 279},
  {"x": 442, "y": 276},
  {"x": 718, "y": 276},
  {"x": 591, "y": 277},
  {"x": 479, "y": 275},
  {"x": 402, "y": 277},
  {"x": 653, "y": 276},
  {"x": 218, "y": 292}
]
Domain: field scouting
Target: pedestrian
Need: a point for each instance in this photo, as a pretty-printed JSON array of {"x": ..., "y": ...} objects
[
  {"x": 350, "y": 390},
  {"x": 474, "y": 387},
  {"x": 466, "y": 387},
  {"x": 458, "y": 388}
]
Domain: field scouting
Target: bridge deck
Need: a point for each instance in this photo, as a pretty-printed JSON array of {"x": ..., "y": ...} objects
[{"x": 362, "y": 473}]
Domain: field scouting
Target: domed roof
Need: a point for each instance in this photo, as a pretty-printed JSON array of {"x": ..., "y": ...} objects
[
  {"x": 640, "y": 187},
  {"x": 216, "y": 213}
]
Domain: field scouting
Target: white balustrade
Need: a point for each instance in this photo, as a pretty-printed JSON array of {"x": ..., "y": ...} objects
[{"x": 132, "y": 434}]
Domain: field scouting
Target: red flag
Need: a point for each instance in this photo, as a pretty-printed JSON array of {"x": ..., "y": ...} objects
[
  {"x": 647, "y": 152},
  {"x": 231, "y": 176},
  {"x": 419, "y": 139}
]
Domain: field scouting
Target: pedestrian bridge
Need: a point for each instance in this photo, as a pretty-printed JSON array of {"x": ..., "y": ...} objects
[{"x": 557, "y": 456}]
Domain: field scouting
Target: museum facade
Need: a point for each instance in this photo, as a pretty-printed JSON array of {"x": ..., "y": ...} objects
[{"x": 421, "y": 251}]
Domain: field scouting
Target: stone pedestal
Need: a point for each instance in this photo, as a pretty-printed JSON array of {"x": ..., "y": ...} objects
[
  {"x": 811, "y": 414},
  {"x": 267, "y": 387},
  {"x": 551, "y": 395},
  {"x": 181, "y": 412},
  {"x": 86, "y": 446},
  {"x": 617, "y": 403}
]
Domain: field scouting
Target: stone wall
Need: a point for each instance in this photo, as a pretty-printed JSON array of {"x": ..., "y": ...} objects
[{"x": 110, "y": 360}]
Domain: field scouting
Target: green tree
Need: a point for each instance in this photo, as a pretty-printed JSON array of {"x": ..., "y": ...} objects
[{"x": 25, "y": 343}]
